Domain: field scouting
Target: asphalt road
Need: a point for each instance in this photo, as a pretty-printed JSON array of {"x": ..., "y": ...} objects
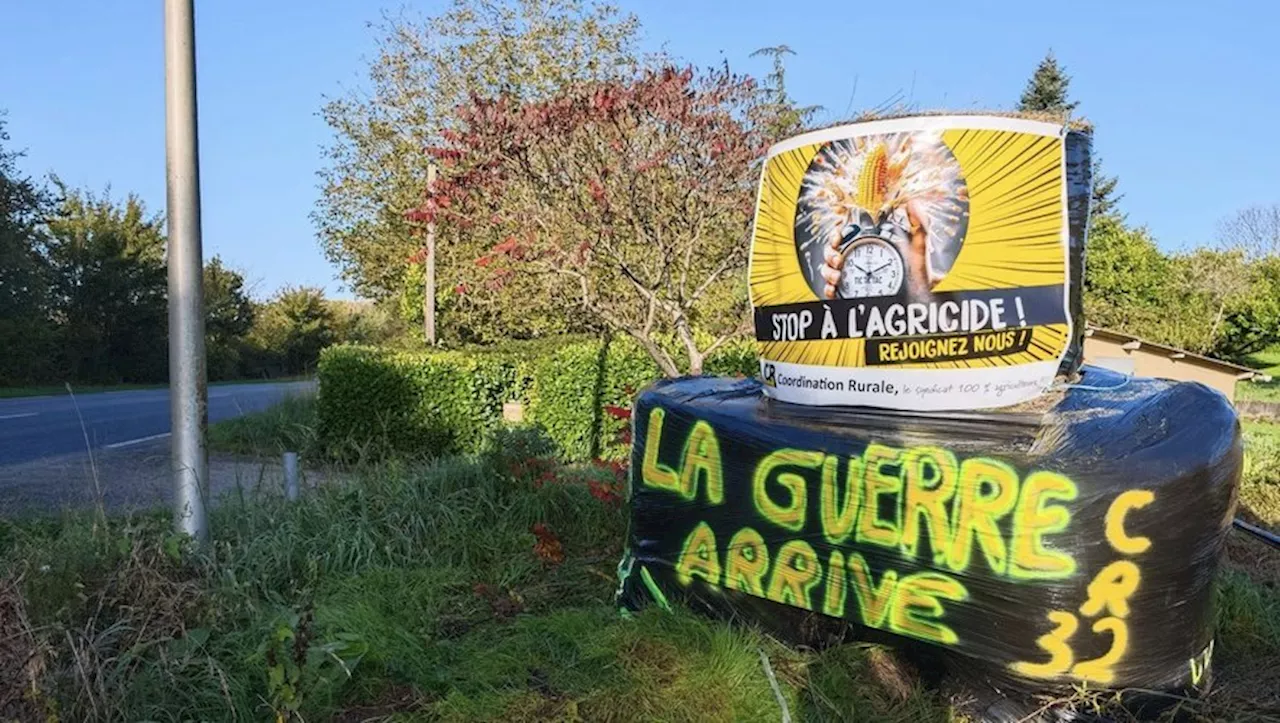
[{"x": 34, "y": 428}]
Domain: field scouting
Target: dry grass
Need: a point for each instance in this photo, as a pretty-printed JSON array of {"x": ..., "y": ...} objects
[{"x": 23, "y": 659}]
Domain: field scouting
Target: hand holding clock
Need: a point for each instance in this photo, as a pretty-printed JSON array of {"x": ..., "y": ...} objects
[{"x": 917, "y": 278}]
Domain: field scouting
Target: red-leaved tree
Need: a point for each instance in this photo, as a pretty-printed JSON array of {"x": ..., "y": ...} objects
[{"x": 630, "y": 201}]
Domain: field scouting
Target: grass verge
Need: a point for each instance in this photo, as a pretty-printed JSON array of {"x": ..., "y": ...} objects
[
  {"x": 1260, "y": 488},
  {"x": 288, "y": 426},
  {"x": 1268, "y": 362},
  {"x": 465, "y": 589}
]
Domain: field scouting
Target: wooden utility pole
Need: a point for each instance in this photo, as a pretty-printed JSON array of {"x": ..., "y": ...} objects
[{"x": 429, "y": 290}]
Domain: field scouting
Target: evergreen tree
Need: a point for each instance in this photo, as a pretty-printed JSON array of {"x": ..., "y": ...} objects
[
  {"x": 784, "y": 117},
  {"x": 1105, "y": 201},
  {"x": 1046, "y": 91}
]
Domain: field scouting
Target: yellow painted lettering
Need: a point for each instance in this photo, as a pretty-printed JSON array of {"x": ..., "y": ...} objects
[
  {"x": 987, "y": 491},
  {"x": 1055, "y": 643},
  {"x": 916, "y": 609},
  {"x": 833, "y": 600},
  {"x": 1100, "y": 670},
  {"x": 1200, "y": 664},
  {"x": 876, "y": 483},
  {"x": 698, "y": 557},
  {"x": 702, "y": 461},
  {"x": 930, "y": 480},
  {"x": 873, "y": 600},
  {"x": 789, "y": 515},
  {"x": 1033, "y": 519},
  {"x": 654, "y": 473},
  {"x": 838, "y": 514},
  {"x": 1111, "y": 589},
  {"x": 746, "y": 562},
  {"x": 1120, "y": 507},
  {"x": 795, "y": 573}
]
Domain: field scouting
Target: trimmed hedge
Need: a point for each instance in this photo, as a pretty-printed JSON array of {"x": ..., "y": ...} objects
[{"x": 376, "y": 402}]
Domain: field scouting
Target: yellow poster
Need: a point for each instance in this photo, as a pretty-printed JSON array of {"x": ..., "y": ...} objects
[{"x": 914, "y": 263}]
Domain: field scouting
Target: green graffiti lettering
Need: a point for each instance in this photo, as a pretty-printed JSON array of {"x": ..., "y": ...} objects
[
  {"x": 987, "y": 491},
  {"x": 789, "y": 515},
  {"x": 795, "y": 573},
  {"x": 930, "y": 481},
  {"x": 698, "y": 557},
  {"x": 838, "y": 515},
  {"x": 654, "y": 473},
  {"x": 916, "y": 609},
  {"x": 701, "y": 459},
  {"x": 873, "y": 600},
  {"x": 1033, "y": 519},
  {"x": 872, "y": 529},
  {"x": 746, "y": 562}
]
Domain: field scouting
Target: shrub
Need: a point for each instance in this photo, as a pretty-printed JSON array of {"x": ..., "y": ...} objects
[
  {"x": 738, "y": 358},
  {"x": 573, "y": 388},
  {"x": 374, "y": 402}
]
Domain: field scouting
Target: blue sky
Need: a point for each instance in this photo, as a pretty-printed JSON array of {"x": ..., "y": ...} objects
[{"x": 1183, "y": 94}]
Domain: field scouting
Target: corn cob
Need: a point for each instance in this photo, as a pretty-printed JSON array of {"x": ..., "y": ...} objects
[{"x": 873, "y": 182}]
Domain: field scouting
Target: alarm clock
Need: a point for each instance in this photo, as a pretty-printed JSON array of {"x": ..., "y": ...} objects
[{"x": 870, "y": 263}]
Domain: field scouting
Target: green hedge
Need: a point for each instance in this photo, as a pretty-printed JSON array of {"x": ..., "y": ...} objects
[{"x": 376, "y": 402}]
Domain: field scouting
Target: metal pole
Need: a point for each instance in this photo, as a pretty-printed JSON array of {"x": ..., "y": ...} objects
[
  {"x": 291, "y": 476},
  {"x": 429, "y": 291},
  {"x": 188, "y": 397}
]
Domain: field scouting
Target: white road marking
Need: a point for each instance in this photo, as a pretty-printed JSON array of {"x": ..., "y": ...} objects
[
  {"x": 18, "y": 416},
  {"x": 132, "y": 442}
]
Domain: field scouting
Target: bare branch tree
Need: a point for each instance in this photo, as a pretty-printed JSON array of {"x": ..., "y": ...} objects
[{"x": 1255, "y": 231}]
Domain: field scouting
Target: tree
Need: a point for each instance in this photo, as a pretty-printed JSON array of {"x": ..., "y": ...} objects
[
  {"x": 1125, "y": 277},
  {"x": 25, "y": 326},
  {"x": 1046, "y": 91},
  {"x": 229, "y": 315},
  {"x": 1254, "y": 231},
  {"x": 1208, "y": 301},
  {"x": 1104, "y": 199},
  {"x": 628, "y": 202},
  {"x": 109, "y": 288},
  {"x": 1252, "y": 323},
  {"x": 293, "y": 327},
  {"x": 376, "y": 170},
  {"x": 367, "y": 322},
  {"x": 784, "y": 117}
]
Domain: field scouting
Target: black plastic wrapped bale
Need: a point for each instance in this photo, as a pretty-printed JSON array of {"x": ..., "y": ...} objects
[{"x": 1031, "y": 551}]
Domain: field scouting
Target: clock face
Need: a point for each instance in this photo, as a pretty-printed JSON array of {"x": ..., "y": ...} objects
[{"x": 871, "y": 267}]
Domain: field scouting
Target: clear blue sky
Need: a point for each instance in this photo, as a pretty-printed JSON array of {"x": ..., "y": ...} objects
[{"x": 1183, "y": 94}]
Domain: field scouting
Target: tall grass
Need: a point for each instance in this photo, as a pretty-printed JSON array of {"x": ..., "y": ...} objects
[
  {"x": 407, "y": 588},
  {"x": 287, "y": 426},
  {"x": 419, "y": 591},
  {"x": 1260, "y": 486}
]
